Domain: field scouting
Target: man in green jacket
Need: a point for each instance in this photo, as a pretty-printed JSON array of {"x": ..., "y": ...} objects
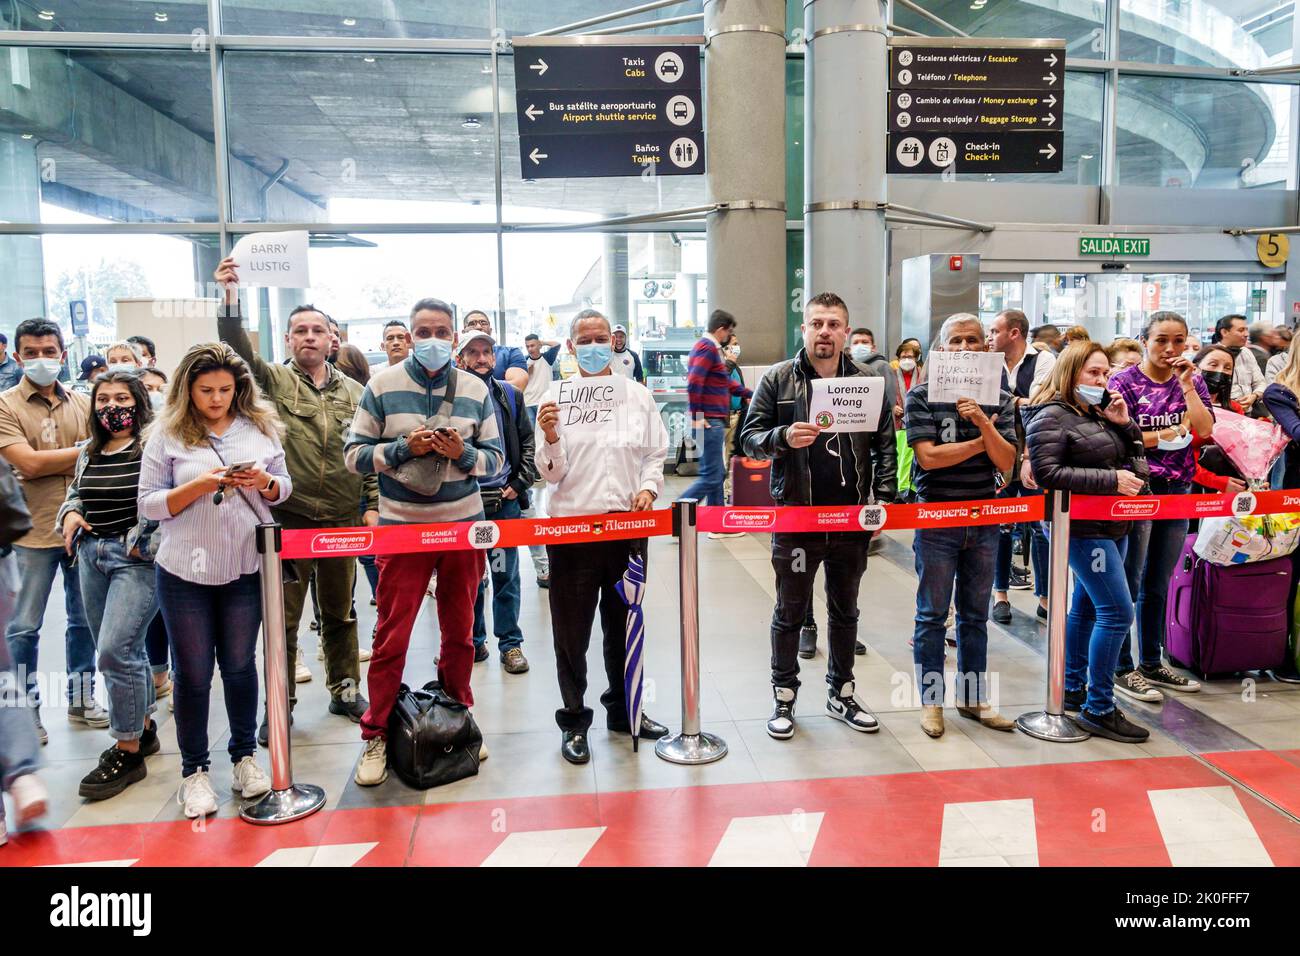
[{"x": 316, "y": 403}]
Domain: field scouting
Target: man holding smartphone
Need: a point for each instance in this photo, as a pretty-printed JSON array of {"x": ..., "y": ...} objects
[
  {"x": 316, "y": 402},
  {"x": 429, "y": 432}
]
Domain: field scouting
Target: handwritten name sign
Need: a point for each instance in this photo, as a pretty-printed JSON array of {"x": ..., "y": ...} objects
[
  {"x": 593, "y": 406},
  {"x": 957, "y": 375}
]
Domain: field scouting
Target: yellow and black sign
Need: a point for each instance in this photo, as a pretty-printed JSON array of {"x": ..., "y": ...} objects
[{"x": 1272, "y": 249}]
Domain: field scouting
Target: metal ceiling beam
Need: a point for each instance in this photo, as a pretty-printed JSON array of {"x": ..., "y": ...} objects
[
  {"x": 607, "y": 17},
  {"x": 933, "y": 18},
  {"x": 643, "y": 25}
]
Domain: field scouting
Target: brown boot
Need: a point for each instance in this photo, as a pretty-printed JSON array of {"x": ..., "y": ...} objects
[
  {"x": 987, "y": 716},
  {"x": 932, "y": 721}
]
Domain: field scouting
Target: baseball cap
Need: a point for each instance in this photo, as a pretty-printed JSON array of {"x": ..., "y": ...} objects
[
  {"x": 89, "y": 364},
  {"x": 619, "y": 328},
  {"x": 465, "y": 340}
]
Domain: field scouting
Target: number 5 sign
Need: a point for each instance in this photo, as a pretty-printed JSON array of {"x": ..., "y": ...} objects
[{"x": 1272, "y": 249}]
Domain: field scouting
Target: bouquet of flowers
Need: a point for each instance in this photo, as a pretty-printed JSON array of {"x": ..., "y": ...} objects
[{"x": 1251, "y": 444}]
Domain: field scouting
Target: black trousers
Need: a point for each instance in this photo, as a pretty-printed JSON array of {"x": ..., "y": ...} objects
[
  {"x": 582, "y": 579},
  {"x": 795, "y": 558}
]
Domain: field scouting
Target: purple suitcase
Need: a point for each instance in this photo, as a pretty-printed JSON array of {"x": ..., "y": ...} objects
[{"x": 1223, "y": 619}]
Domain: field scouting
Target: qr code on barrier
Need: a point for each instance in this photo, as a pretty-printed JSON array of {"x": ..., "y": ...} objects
[
  {"x": 484, "y": 535},
  {"x": 1242, "y": 505}
]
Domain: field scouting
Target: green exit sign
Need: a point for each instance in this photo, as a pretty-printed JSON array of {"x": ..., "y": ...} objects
[{"x": 1114, "y": 246}]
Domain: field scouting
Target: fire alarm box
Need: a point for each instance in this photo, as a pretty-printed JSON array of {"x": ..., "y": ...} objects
[{"x": 954, "y": 263}]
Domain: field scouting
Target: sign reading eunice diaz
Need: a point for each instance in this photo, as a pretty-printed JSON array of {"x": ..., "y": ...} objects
[
  {"x": 593, "y": 405},
  {"x": 956, "y": 375},
  {"x": 846, "y": 404},
  {"x": 277, "y": 259}
]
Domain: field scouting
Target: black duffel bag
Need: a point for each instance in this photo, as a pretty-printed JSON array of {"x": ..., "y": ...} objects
[{"x": 432, "y": 738}]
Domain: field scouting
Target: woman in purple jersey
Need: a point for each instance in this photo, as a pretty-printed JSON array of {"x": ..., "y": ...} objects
[{"x": 1168, "y": 400}]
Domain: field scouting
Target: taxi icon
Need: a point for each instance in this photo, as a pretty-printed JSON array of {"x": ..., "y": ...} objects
[{"x": 669, "y": 68}]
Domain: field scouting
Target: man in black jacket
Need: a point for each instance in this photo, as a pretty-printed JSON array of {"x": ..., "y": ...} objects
[
  {"x": 505, "y": 494},
  {"x": 812, "y": 467}
]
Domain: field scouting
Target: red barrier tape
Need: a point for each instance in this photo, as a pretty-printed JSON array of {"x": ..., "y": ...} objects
[
  {"x": 1146, "y": 507},
  {"x": 940, "y": 514},
  {"x": 464, "y": 535}
]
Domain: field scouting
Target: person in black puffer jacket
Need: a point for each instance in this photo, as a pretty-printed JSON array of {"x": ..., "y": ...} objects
[{"x": 1080, "y": 438}]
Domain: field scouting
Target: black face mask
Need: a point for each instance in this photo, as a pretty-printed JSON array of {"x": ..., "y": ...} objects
[{"x": 1219, "y": 383}]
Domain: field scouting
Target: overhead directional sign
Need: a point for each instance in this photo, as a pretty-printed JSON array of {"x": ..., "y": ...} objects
[
  {"x": 993, "y": 110},
  {"x": 975, "y": 153},
  {"x": 601, "y": 106},
  {"x": 976, "y": 106}
]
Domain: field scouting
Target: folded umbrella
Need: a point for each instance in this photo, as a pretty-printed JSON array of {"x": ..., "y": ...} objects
[{"x": 632, "y": 590}]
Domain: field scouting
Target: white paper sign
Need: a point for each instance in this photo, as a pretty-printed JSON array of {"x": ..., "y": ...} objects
[
  {"x": 273, "y": 259},
  {"x": 956, "y": 375},
  {"x": 592, "y": 406},
  {"x": 849, "y": 404}
]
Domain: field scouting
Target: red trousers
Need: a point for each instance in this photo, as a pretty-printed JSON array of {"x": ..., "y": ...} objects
[{"x": 402, "y": 582}]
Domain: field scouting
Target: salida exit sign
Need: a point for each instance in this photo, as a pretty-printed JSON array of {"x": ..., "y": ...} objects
[{"x": 1114, "y": 246}]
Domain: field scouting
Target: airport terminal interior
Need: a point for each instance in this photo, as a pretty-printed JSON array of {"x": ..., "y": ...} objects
[{"x": 141, "y": 140}]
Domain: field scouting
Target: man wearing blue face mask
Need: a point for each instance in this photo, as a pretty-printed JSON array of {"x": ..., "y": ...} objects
[
  {"x": 40, "y": 425},
  {"x": 591, "y": 472},
  {"x": 429, "y": 431}
]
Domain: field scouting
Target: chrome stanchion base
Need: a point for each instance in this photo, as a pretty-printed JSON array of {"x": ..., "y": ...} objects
[
  {"x": 284, "y": 806},
  {"x": 692, "y": 749},
  {"x": 1054, "y": 727}
]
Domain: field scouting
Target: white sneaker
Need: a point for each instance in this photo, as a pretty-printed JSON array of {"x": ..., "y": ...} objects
[
  {"x": 248, "y": 780},
  {"x": 320, "y": 652},
  {"x": 482, "y": 752},
  {"x": 373, "y": 769},
  {"x": 1135, "y": 686},
  {"x": 31, "y": 799},
  {"x": 719, "y": 535},
  {"x": 301, "y": 674},
  {"x": 363, "y": 654},
  {"x": 197, "y": 796}
]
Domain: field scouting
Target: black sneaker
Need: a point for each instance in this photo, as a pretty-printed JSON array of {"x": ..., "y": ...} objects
[
  {"x": 859, "y": 648},
  {"x": 1287, "y": 674},
  {"x": 1114, "y": 726},
  {"x": 808, "y": 642},
  {"x": 842, "y": 706},
  {"x": 1019, "y": 579},
  {"x": 1042, "y": 614},
  {"x": 117, "y": 770},
  {"x": 781, "y": 724},
  {"x": 264, "y": 731},
  {"x": 353, "y": 709},
  {"x": 1074, "y": 700},
  {"x": 481, "y": 653},
  {"x": 1001, "y": 612},
  {"x": 1162, "y": 676}
]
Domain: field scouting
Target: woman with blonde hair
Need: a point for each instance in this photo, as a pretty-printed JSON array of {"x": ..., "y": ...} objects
[
  {"x": 1081, "y": 439},
  {"x": 213, "y": 465},
  {"x": 124, "y": 357}
]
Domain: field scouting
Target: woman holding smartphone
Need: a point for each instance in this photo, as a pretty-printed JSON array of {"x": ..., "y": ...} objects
[
  {"x": 213, "y": 465},
  {"x": 1169, "y": 402},
  {"x": 101, "y": 526}
]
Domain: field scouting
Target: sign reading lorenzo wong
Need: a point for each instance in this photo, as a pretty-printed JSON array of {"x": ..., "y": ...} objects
[
  {"x": 1010, "y": 152},
  {"x": 849, "y": 404}
]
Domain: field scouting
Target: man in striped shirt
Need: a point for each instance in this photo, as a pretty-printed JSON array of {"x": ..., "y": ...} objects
[
  {"x": 709, "y": 387},
  {"x": 429, "y": 431}
]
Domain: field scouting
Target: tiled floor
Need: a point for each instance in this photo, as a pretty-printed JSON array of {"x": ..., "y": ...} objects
[{"x": 830, "y": 795}]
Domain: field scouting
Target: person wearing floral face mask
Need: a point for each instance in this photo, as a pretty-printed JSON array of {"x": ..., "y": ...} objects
[{"x": 111, "y": 543}]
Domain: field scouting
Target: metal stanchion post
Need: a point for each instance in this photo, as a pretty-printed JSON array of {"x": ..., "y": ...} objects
[
  {"x": 692, "y": 745},
  {"x": 1052, "y": 724},
  {"x": 287, "y": 801}
]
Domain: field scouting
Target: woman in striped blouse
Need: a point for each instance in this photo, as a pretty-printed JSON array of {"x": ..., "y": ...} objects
[
  {"x": 212, "y": 466},
  {"x": 112, "y": 547}
]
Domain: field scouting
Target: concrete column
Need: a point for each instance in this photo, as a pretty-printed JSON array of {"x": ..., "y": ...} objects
[
  {"x": 613, "y": 264},
  {"x": 744, "y": 91},
  {"x": 845, "y": 249},
  {"x": 686, "y": 294},
  {"x": 22, "y": 262}
]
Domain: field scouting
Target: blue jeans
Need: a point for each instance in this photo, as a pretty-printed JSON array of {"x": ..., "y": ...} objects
[
  {"x": 1101, "y": 613},
  {"x": 208, "y": 623},
  {"x": 708, "y": 486},
  {"x": 1154, "y": 549},
  {"x": 36, "y": 567},
  {"x": 19, "y": 748},
  {"x": 946, "y": 557},
  {"x": 1037, "y": 545},
  {"x": 504, "y": 566},
  {"x": 119, "y": 595},
  {"x": 156, "y": 642}
]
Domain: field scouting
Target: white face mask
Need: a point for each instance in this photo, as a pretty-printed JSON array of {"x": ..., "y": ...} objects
[
  {"x": 1181, "y": 441},
  {"x": 42, "y": 371},
  {"x": 1190, "y": 355},
  {"x": 907, "y": 364}
]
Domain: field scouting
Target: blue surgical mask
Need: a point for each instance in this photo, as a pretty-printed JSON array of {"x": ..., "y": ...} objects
[
  {"x": 861, "y": 353},
  {"x": 595, "y": 357},
  {"x": 123, "y": 367},
  {"x": 432, "y": 353},
  {"x": 1175, "y": 444},
  {"x": 42, "y": 371},
  {"x": 157, "y": 400},
  {"x": 1090, "y": 394}
]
